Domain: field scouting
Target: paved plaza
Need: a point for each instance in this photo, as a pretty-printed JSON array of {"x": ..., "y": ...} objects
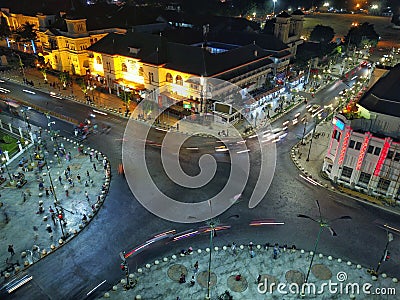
[
  {"x": 160, "y": 279},
  {"x": 62, "y": 193}
]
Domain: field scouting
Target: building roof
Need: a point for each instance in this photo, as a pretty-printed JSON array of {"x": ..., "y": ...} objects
[
  {"x": 195, "y": 60},
  {"x": 383, "y": 97},
  {"x": 298, "y": 12},
  {"x": 238, "y": 38},
  {"x": 283, "y": 14}
]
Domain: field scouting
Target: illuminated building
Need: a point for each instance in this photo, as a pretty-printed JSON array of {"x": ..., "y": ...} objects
[
  {"x": 364, "y": 148},
  {"x": 141, "y": 61}
]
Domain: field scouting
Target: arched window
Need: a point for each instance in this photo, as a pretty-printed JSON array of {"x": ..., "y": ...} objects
[
  {"x": 56, "y": 59},
  {"x": 179, "y": 80},
  {"x": 168, "y": 78},
  {"x": 98, "y": 60},
  {"x": 141, "y": 71},
  {"x": 124, "y": 68}
]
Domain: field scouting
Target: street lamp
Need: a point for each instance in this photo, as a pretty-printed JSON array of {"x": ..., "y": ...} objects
[
  {"x": 304, "y": 130},
  {"x": 22, "y": 66},
  {"x": 273, "y": 11},
  {"x": 312, "y": 137},
  {"x": 27, "y": 149},
  {"x": 322, "y": 224},
  {"x": 4, "y": 161},
  {"x": 212, "y": 225},
  {"x": 385, "y": 255}
]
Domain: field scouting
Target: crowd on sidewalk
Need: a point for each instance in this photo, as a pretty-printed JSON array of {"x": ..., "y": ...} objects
[
  {"x": 249, "y": 272},
  {"x": 63, "y": 187}
]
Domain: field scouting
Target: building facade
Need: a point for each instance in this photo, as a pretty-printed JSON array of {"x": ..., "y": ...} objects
[
  {"x": 140, "y": 61},
  {"x": 364, "y": 149}
]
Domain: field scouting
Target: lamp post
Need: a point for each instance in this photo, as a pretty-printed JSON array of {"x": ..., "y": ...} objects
[
  {"x": 60, "y": 217},
  {"x": 27, "y": 149},
  {"x": 212, "y": 225},
  {"x": 273, "y": 11},
  {"x": 312, "y": 137},
  {"x": 4, "y": 161},
  {"x": 304, "y": 130},
  {"x": 322, "y": 224},
  {"x": 201, "y": 93},
  {"x": 22, "y": 67},
  {"x": 385, "y": 255}
]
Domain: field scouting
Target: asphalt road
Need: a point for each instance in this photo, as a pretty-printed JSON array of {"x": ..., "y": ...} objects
[{"x": 122, "y": 223}]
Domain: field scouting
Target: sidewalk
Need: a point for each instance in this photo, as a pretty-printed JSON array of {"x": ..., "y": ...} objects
[
  {"x": 105, "y": 101},
  {"x": 160, "y": 279},
  {"x": 313, "y": 167},
  {"x": 26, "y": 220}
]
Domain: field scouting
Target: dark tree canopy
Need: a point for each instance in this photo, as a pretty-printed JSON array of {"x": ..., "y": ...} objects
[
  {"x": 396, "y": 19},
  {"x": 26, "y": 32},
  {"x": 322, "y": 34},
  {"x": 5, "y": 31},
  {"x": 364, "y": 34}
]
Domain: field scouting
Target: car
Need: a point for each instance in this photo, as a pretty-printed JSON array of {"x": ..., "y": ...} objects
[{"x": 313, "y": 108}]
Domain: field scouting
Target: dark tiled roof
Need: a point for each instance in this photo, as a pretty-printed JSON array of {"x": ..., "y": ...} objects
[
  {"x": 157, "y": 50},
  {"x": 283, "y": 14},
  {"x": 383, "y": 97},
  {"x": 152, "y": 48},
  {"x": 238, "y": 38},
  {"x": 298, "y": 12},
  {"x": 196, "y": 60}
]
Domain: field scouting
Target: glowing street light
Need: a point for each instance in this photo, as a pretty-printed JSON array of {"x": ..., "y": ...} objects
[
  {"x": 322, "y": 224},
  {"x": 274, "y": 2}
]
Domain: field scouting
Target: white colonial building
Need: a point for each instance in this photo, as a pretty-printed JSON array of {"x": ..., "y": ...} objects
[{"x": 364, "y": 149}]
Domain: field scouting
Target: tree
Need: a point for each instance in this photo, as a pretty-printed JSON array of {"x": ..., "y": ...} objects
[
  {"x": 26, "y": 34},
  {"x": 5, "y": 31},
  {"x": 44, "y": 73},
  {"x": 322, "y": 34},
  {"x": 64, "y": 78},
  {"x": 82, "y": 84},
  {"x": 362, "y": 35},
  {"x": 396, "y": 19}
]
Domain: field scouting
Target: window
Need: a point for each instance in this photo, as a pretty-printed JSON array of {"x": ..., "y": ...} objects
[
  {"x": 179, "y": 80},
  {"x": 352, "y": 144},
  {"x": 336, "y": 135},
  {"x": 329, "y": 169},
  {"x": 397, "y": 156},
  {"x": 364, "y": 178},
  {"x": 124, "y": 68},
  {"x": 151, "y": 77},
  {"x": 346, "y": 172},
  {"x": 56, "y": 59},
  {"x": 390, "y": 154},
  {"x": 358, "y": 145},
  {"x": 169, "y": 78},
  {"x": 140, "y": 72},
  {"x": 98, "y": 60},
  {"x": 377, "y": 151},
  {"x": 370, "y": 149},
  {"x": 383, "y": 184}
]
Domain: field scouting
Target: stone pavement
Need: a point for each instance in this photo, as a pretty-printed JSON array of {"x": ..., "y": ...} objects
[
  {"x": 160, "y": 279},
  {"x": 26, "y": 221}
]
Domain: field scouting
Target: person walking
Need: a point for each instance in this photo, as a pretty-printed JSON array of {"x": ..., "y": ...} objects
[
  {"x": 94, "y": 167},
  {"x": 233, "y": 248},
  {"x": 11, "y": 249},
  {"x": 196, "y": 266},
  {"x": 60, "y": 179}
]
